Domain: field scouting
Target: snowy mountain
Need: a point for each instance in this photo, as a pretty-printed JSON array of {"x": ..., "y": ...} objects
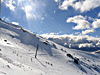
[
  {"x": 17, "y": 55},
  {"x": 80, "y": 42}
]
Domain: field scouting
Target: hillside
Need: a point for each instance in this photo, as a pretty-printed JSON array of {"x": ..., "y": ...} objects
[{"x": 17, "y": 55}]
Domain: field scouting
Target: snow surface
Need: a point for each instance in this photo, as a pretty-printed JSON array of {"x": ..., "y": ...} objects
[{"x": 17, "y": 55}]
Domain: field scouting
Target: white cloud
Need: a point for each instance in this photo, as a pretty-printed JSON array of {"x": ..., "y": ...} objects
[
  {"x": 82, "y": 24},
  {"x": 77, "y": 32},
  {"x": 10, "y": 4},
  {"x": 99, "y": 14},
  {"x": 80, "y": 41},
  {"x": 80, "y": 21},
  {"x": 86, "y": 5},
  {"x": 92, "y": 19},
  {"x": 66, "y": 4},
  {"x": 96, "y": 23},
  {"x": 57, "y": 0},
  {"x": 98, "y": 44},
  {"x": 16, "y": 23},
  {"x": 75, "y": 18},
  {"x": 88, "y": 31},
  {"x": 11, "y": 7},
  {"x": 82, "y": 5},
  {"x": 6, "y": 19},
  {"x": 51, "y": 33},
  {"x": 86, "y": 45}
]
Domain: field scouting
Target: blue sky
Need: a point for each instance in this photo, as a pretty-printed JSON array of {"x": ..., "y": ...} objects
[{"x": 78, "y": 17}]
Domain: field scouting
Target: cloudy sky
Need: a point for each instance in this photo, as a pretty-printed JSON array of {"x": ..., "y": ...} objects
[{"x": 54, "y": 16}]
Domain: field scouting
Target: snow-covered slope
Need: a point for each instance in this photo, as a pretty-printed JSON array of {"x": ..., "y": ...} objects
[{"x": 17, "y": 55}]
